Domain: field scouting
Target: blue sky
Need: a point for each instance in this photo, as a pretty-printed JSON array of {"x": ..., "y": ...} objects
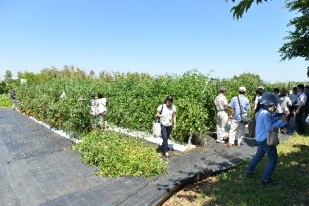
[{"x": 158, "y": 37}]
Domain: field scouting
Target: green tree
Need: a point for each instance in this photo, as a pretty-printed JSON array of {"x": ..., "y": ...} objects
[
  {"x": 297, "y": 44},
  {"x": 298, "y": 39},
  {"x": 243, "y": 6},
  {"x": 30, "y": 76},
  {"x": 8, "y": 75}
]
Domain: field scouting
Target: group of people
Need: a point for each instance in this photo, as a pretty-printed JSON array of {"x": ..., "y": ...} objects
[
  {"x": 293, "y": 104},
  {"x": 272, "y": 111},
  {"x": 238, "y": 108}
]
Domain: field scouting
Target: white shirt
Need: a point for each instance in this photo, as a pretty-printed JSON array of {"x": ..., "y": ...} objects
[
  {"x": 302, "y": 97},
  {"x": 167, "y": 118},
  {"x": 283, "y": 104},
  {"x": 256, "y": 101},
  {"x": 220, "y": 102},
  {"x": 293, "y": 98},
  {"x": 100, "y": 105}
]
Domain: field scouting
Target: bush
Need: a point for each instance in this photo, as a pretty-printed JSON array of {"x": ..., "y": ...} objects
[
  {"x": 118, "y": 155},
  {"x": 5, "y": 101}
]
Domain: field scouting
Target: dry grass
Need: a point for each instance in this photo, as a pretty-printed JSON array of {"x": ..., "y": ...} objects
[{"x": 193, "y": 195}]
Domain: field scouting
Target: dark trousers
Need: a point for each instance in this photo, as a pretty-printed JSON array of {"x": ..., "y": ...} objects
[
  {"x": 292, "y": 109},
  {"x": 299, "y": 119},
  {"x": 165, "y": 131}
]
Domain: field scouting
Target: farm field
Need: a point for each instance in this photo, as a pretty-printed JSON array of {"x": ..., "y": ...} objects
[{"x": 132, "y": 100}]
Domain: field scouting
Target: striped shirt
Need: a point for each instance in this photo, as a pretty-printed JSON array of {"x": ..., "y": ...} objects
[{"x": 264, "y": 121}]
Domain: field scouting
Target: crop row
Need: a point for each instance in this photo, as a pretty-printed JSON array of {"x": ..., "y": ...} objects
[{"x": 132, "y": 100}]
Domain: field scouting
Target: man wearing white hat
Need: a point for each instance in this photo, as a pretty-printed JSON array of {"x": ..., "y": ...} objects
[{"x": 239, "y": 108}]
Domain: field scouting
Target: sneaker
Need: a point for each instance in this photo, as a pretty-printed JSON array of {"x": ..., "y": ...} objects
[
  {"x": 166, "y": 154},
  {"x": 220, "y": 141},
  {"x": 269, "y": 182}
]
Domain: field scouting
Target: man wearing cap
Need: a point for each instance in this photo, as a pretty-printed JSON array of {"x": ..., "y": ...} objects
[
  {"x": 222, "y": 116},
  {"x": 239, "y": 108},
  {"x": 265, "y": 121}
]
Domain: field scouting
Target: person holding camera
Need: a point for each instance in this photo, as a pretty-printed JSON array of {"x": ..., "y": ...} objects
[{"x": 265, "y": 121}]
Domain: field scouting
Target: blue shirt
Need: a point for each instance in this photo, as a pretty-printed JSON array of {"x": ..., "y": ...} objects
[
  {"x": 264, "y": 121},
  {"x": 244, "y": 102}
]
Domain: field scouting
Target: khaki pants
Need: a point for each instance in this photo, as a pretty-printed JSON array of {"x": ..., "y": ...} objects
[
  {"x": 13, "y": 104},
  {"x": 222, "y": 119},
  {"x": 102, "y": 120},
  {"x": 237, "y": 130}
]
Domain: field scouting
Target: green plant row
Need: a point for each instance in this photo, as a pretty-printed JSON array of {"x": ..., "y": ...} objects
[
  {"x": 119, "y": 155},
  {"x": 5, "y": 101},
  {"x": 132, "y": 100}
]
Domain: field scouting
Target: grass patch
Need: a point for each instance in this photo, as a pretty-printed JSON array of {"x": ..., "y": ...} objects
[
  {"x": 5, "y": 101},
  {"x": 233, "y": 188},
  {"x": 119, "y": 155}
]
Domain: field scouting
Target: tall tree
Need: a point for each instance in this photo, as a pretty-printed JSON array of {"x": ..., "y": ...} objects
[
  {"x": 297, "y": 44},
  {"x": 8, "y": 75},
  {"x": 298, "y": 39}
]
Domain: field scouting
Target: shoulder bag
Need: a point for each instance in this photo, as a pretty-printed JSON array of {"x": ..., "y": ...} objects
[
  {"x": 272, "y": 139},
  {"x": 156, "y": 127},
  {"x": 244, "y": 119}
]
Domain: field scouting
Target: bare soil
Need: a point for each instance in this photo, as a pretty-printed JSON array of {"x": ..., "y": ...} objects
[{"x": 193, "y": 195}]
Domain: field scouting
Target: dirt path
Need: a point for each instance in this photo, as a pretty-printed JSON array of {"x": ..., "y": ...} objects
[{"x": 193, "y": 195}]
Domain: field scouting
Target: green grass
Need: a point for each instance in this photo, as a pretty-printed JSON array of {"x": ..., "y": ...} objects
[
  {"x": 5, "y": 101},
  {"x": 292, "y": 172},
  {"x": 118, "y": 155}
]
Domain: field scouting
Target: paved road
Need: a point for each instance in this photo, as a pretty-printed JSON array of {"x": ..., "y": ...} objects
[{"x": 38, "y": 168}]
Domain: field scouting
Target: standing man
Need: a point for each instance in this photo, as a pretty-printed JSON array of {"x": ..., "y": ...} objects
[
  {"x": 300, "y": 110},
  {"x": 293, "y": 97},
  {"x": 239, "y": 108},
  {"x": 276, "y": 93},
  {"x": 222, "y": 116},
  {"x": 13, "y": 99}
]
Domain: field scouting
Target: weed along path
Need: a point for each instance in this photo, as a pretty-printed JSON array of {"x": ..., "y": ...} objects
[{"x": 38, "y": 167}]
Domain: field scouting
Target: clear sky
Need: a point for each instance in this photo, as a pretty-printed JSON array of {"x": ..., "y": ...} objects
[{"x": 158, "y": 37}]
